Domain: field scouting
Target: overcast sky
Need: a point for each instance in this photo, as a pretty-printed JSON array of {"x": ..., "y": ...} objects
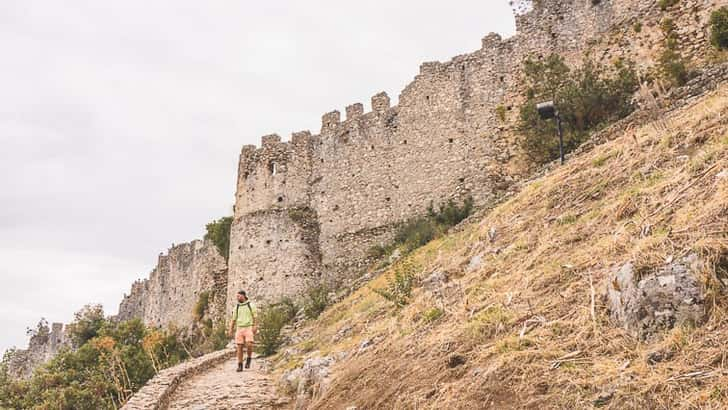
[{"x": 121, "y": 121}]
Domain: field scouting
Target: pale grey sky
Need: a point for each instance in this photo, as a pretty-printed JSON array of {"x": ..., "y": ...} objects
[{"x": 121, "y": 121}]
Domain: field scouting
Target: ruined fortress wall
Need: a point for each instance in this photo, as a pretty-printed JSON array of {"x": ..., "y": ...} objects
[
  {"x": 42, "y": 347},
  {"x": 284, "y": 238},
  {"x": 173, "y": 288},
  {"x": 367, "y": 172}
]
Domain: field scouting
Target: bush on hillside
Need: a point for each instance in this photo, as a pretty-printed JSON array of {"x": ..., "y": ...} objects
[
  {"x": 587, "y": 97},
  {"x": 315, "y": 301},
  {"x": 719, "y": 28},
  {"x": 672, "y": 67},
  {"x": 665, "y": 4},
  {"x": 219, "y": 233},
  {"x": 400, "y": 284},
  {"x": 271, "y": 322},
  {"x": 420, "y": 231}
]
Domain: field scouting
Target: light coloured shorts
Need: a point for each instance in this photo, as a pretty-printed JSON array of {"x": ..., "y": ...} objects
[{"x": 244, "y": 335}]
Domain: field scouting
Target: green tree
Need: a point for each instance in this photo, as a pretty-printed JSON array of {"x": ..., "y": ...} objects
[
  {"x": 587, "y": 97},
  {"x": 218, "y": 232},
  {"x": 719, "y": 28},
  {"x": 86, "y": 324}
]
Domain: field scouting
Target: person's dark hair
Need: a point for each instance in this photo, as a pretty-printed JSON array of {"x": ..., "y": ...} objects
[{"x": 242, "y": 292}]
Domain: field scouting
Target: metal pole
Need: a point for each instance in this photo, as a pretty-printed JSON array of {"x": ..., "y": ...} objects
[{"x": 561, "y": 138}]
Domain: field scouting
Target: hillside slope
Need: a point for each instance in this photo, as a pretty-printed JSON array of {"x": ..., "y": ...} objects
[{"x": 512, "y": 311}]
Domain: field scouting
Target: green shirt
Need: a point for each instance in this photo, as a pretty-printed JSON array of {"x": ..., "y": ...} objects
[{"x": 243, "y": 314}]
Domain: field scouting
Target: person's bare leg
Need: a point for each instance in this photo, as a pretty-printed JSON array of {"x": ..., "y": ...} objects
[
  {"x": 240, "y": 352},
  {"x": 250, "y": 355}
]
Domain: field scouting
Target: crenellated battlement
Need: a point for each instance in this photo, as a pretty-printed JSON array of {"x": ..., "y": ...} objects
[
  {"x": 364, "y": 175},
  {"x": 354, "y": 111},
  {"x": 270, "y": 140},
  {"x": 380, "y": 103},
  {"x": 330, "y": 121}
]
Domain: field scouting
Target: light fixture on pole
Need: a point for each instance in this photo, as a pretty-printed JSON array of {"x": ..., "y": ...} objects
[{"x": 547, "y": 110}]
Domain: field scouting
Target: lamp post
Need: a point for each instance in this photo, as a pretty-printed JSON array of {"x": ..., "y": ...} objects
[{"x": 547, "y": 110}]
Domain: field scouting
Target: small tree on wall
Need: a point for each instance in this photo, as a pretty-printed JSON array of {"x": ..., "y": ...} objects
[{"x": 219, "y": 233}]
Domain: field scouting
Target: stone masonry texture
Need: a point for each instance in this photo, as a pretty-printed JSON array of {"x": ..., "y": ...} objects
[
  {"x": 174, "y": 287},
  {"x": 362, "y": 175}
]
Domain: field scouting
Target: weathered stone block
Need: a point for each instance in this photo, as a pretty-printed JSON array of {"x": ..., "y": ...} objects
[{"x": 668, "y": 297}]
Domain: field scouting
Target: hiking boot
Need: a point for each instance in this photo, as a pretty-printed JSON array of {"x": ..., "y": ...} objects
[
  {"x": 247, "y": 363},
  {"x": 240, "y": 367}
]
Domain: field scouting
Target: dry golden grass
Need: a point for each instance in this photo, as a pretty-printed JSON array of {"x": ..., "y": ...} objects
[{"x": 530, "y": 324}]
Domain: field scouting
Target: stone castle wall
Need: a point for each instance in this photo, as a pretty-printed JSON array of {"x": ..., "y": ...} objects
[
  {"x": 173, "y": 288},
  {"x": 362, "y": 175},
  {"x": 42, "y": 347}
]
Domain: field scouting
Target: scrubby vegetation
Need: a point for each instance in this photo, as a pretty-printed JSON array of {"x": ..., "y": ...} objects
[
  {"x": 587, "y": 97},
  {"x": 671, "y": 62},
  {"x": 271, "y": 322},
  {"x": 419, "y": 231},
  {"x": 400, "y": 284},
  {"x": 202, "y": 304},
  {"x": 719, "y": 28},
  {"x": 219, "y": 233},
  {"x": 109, "y": 361},
  {"x": 665, "y": 4},
  {"x": 315, "y": 301}
]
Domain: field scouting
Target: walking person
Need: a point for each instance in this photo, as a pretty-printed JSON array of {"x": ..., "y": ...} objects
[{"x": 244, "y": 326}]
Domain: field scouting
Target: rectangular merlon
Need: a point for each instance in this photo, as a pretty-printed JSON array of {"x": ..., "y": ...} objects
[
  {"x": 492, "y": 40},
  {"x": 430, "y": 67},
  {"x": 247, "y": 149},
  {"x": 301, "y": 137},
  {"x": 354, "y": 111},
  {"x": 330, "y": 120},
  {"x": 380, "y": 102},
  {"x": 271, "y": 139}
]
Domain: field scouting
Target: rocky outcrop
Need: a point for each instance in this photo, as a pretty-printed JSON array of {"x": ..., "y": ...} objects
[
  {"x": 308, "y": 381},
  {"x": 647, "y": 303}
]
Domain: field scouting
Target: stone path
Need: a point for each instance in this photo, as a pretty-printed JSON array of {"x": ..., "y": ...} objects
[{"x": 221, "y": 387}]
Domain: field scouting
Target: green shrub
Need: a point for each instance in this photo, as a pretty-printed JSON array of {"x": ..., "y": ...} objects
[
  {"x": 672, "y": 67},
  {"x": 420, "y": 231},
  {"x": 379, "y": 251},
  {"x": 587, "y": 98},
  {"x": 289, "y": 307},
  {"x": 219, "y": 233},
  {"x": 719, "y": 28},
  {"x": 431, "y": 315},
  {"x": 416, "y": 233},
  {"x": 271, "y": 322},
  {"x": 203, "y": 302},
  {"x": 400, "y": 284},
  {"x": 637, "y": 27},
  {"x": 315, "y": 301},
  {"x": 665, "y": 4},
  {"x": 451, "y": 214}
]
